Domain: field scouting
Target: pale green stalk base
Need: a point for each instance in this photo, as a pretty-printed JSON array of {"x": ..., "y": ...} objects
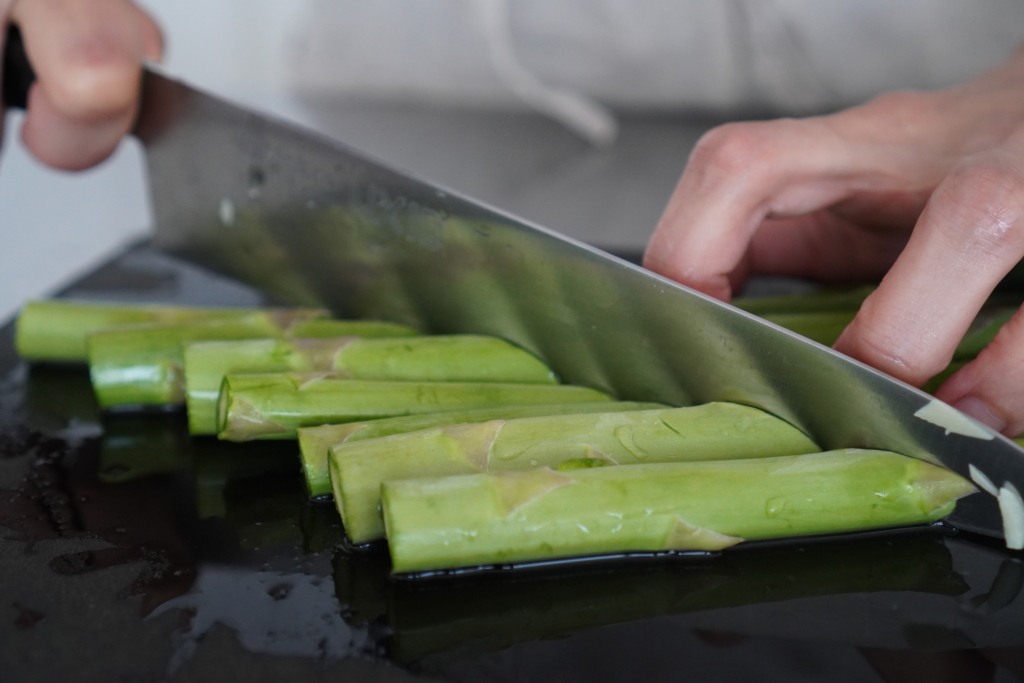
[
  {"x": 56, "y": 330},
  {"x": 143, "y": 364},
  {"x": 982, "y": 331},
  {"x": 315, "y": 443},
  {"x": 275, "y": 405},
  {"x": 442, "y": 358},
  {"x": 207, "y": 362},
  {"x": 828, "y": 300},
  {"x": 713, "y": 431},
  {"x": 454, "y": 358},
  {"x": 328, "y": 327},
  {"x": 505, "y": 517}
]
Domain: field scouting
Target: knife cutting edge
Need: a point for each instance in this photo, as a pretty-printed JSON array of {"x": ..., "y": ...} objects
[{"x": 314, "y": 222}]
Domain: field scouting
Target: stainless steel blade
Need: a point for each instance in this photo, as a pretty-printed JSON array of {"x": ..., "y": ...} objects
[{"x": 316, "y": 223}]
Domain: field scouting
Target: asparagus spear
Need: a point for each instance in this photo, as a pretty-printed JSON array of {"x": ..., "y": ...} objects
[
  {"x": 56, "y": 330},
  {"x": 315, "y": 443},
  {"x": 828, "y": 300},
  {"x": 275, "y": 405},
  {"x": 142, "y": 364},
  {"x": 712, "y": 431},
  {"x": 455, "y": 358},
  {"x": 502, "y": 517}
]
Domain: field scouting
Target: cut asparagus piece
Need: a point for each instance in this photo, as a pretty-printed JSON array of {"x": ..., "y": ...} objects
[
  {"x": 142, "y": 364},
  {"x": 56, "y": 330},
  {"x": 982, "y": 331},
  {"x": 454, "y": 358},
  {"x": 315, "y": 443},
  {"x": 207, "y": 362},
  {"x": 328, "y": 327},
  {"x": 712, "y": 431},
  {"x": 828, "y": 300},
  {"x": 442, "y": 358},
  {"x": 275, "y": 405},
  {"x": 503, "y": 517}
]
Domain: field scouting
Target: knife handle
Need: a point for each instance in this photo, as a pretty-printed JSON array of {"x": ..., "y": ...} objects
[{"x": 18, "y": 74}]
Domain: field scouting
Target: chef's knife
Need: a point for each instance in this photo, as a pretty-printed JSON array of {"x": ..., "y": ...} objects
[{"x": 315, "y": 222}]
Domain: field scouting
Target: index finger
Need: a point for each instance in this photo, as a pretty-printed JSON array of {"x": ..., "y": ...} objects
[
  {"x": 87, "y": 55},
  {"x": 740, "y": 174},
  {"x": 969, "y": 236}
]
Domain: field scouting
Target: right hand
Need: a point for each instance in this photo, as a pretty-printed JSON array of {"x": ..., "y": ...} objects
[
  {"x": 88, "y": 56},
  {"x": 926, "y": 189}
]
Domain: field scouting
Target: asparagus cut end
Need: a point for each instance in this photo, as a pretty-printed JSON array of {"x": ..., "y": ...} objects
[
  {"x": 517, "y": 489},
  {"x": 335, "y": 486},
  {"x": 939, "y": 487},
  {"x": 685, "y": 536},
  {"x": 243, "y": 421},
  {"x": 315, "y": 445},
  {"x": 156, "y": 383}
]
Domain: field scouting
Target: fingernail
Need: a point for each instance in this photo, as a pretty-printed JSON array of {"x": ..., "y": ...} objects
[{"x": 979, "y": 410}]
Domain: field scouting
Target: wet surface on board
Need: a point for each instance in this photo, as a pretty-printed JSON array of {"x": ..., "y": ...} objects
[{"x": 132, "y": 552}]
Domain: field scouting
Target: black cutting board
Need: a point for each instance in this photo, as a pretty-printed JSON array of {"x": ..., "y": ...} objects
[{"x": 131, "y": 552}]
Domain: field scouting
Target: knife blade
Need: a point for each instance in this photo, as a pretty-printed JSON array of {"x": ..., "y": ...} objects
[{"x": 317, "y": 223}]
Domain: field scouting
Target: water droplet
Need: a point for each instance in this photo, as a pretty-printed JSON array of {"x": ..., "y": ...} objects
[
  {"x": 279, "y": 591},
  {"x": 226, "y": 211}
]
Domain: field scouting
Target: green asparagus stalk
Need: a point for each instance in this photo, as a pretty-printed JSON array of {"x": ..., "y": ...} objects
[
  {"x": 825, "y": 327},
  {"x": 315, "y": 443},
  {"x": 455, "y": 358},
  {"x": 712, "y": 431},
  {"x": 329, "y": 327},
  {"x": 56, "y": 330},
  {"x": 982, "y": 331},
  {"x": 503, "y": 517},
  {"x": 275, "y": 405},
  {"x": 142, "y": 364},
  {"x": 442, "y": 358},
  {"x": 828, "y": 300},
  {"x": 206, "y": 363}
]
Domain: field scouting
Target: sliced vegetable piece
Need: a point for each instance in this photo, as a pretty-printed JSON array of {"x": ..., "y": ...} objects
[
  {"x": 712, "y": 431},
  {"x": 503, "y": 517},
  {"x": 315, "y": 443},
  {"x": 275, "y": 405},
  {"x": 443, "y": 358},
  {"x": 143, "y": 364},
  {"x": 56, "y": 330},
  {"x": 452, "y": 358},
  {"x": 827, "y": 300}
]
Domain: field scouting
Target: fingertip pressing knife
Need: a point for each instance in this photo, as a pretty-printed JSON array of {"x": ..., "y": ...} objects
[{"x": 317, "y": 223}]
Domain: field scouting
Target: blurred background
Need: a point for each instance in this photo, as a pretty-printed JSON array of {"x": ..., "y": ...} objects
[{"x": 576, "y": 114}]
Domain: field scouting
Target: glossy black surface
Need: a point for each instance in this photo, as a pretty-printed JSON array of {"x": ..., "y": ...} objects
[{"x": 130, "y": 552}]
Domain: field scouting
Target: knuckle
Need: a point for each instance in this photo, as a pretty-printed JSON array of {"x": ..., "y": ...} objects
[
  {"x": 911, "y": 114},
  {"x": 983, "y": 202},
  {"x": 901, "y": 105},
  {"x": 731, "y": 148},
  {"x": 882, "y": 342},
  {"x": 95, "y": 89}
]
